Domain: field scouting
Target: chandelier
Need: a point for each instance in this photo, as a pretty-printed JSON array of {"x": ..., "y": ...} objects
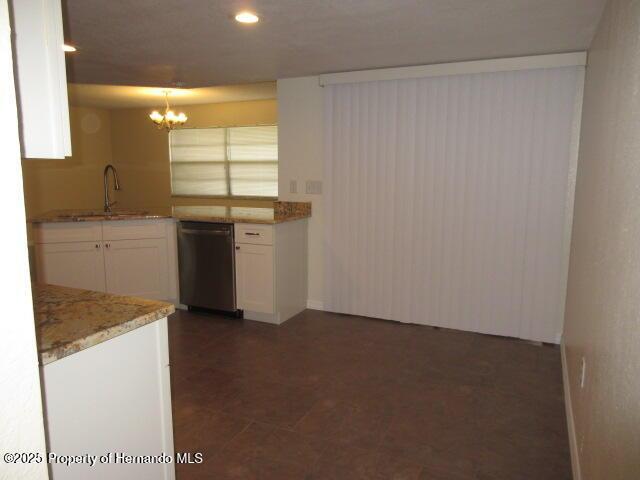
[{"x": 169, "y": 120}]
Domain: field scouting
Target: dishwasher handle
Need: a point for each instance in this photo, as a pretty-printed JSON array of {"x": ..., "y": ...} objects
[{"x": 224, "y": 233}]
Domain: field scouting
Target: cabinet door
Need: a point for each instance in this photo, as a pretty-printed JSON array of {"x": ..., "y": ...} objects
[
  {"x": 72, "y": 264},
  {"x": 254, "y": 278},
  {"x": 137, "y": 268},
  {"x": 41, "y": 78}
]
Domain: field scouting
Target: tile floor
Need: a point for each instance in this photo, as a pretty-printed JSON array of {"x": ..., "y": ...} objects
[{"x": 328, "y": 396}]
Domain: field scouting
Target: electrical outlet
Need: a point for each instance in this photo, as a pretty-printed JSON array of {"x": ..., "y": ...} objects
[
  {"x": 313, "y": 187},
  {"x": 293, "y": 186},
  {"x": 583, "y": 372}
]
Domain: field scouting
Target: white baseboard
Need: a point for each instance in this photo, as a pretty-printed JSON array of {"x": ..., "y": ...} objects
[
  {"x": 315, "y": 305},
  {"x": 573, "y": 440}
]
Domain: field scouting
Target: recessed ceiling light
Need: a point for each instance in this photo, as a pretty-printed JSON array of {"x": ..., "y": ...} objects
[
  {"x": 68, "y": 48},
  {"x": 247, "y": 17}
]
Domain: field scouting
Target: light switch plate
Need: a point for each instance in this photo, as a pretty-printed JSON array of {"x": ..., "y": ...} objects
[
  {"x": 313, "y": 187},
  {"x": 293, "y": 186}
]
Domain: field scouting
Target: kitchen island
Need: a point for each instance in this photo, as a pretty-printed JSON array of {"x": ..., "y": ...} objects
[{"x": 104, "y": 364}]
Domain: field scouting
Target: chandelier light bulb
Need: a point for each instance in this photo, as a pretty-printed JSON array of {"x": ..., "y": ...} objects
[{"x": 169, "y": 120}]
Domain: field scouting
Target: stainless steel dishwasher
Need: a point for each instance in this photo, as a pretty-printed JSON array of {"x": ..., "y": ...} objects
[{"x": 206, "y": 264}]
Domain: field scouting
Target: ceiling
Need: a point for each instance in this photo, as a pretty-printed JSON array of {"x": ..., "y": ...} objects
[
  {"x": 119, "y": 96},
  {"x": 194, "y": 43}
]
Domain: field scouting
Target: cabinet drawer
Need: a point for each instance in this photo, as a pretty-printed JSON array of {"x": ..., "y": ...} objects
[
  {"x": 254, "y": 234},
  {"x": 133, "y": 229},
  {"x": 67, "y": 232}
]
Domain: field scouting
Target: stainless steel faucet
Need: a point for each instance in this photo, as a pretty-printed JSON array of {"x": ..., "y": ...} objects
[{"x": 116, "y": 185}]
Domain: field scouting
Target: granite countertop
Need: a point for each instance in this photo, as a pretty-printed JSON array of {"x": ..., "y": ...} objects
[
  {"x": 69, "y": 320},
  {"x": 279, "y": 213},
  {"x": 282, "y": 212},
  {"x": 58, "y": 216}
]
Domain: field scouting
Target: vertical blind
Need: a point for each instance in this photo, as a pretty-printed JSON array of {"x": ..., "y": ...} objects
[
  {"x": 231, "y": 161},
  {"x": 445, "y": 199}
]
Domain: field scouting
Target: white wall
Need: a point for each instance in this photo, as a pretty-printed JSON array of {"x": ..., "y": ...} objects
[
  {"x": 300, "y": 117},
  {"x": 603, "y": 298},
  {"x": 21, "y": 424}
]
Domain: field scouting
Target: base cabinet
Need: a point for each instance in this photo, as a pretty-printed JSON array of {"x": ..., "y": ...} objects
[
  {"x": 71, "y": 264},
  {"x": 113, "y": 398},
  {"x": 136, "y": 257},
  {"x": 271, "y": 270}
]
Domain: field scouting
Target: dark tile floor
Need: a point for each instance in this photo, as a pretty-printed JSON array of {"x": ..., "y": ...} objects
[{"x": 328, "y": 396}]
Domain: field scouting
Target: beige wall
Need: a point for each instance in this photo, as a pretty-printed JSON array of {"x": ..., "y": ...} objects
[
  {"x": 141, "y": 152},
  {"x": 603, "y": 302},
  {"x": 74, "y": 182}
]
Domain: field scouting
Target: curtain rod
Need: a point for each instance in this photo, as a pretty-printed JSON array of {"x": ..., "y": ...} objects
[{"x": 457, "y": 68}]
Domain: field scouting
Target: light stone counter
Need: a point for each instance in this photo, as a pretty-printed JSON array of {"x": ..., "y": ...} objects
[
  {"x": 69, "y": 320},
  {"x": 220, "y": 214},
  {"x": 279, "y": 213}
]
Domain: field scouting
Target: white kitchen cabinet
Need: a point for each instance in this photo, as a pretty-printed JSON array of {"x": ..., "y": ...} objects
[
  {"x": 254, "y": 278},
  {"x": 41, "y": 78},
  {"x": 128, "y": 257},
  {"x": 71, "y": 264},
  {"x": 271, "y": 270},
  {"x": 137, "y": 267},
  {"x": 114, "y": 397}
]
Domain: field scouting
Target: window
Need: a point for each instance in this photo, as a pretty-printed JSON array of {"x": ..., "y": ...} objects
[{"x": 231, "y": 161}]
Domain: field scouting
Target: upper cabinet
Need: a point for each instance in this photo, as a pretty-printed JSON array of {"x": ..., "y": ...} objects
[{"x": 41, "y": 78}]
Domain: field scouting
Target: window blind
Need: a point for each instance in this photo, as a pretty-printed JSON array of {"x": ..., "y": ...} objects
[
  {"x": 447, "y": 199},
  {"x": 231, "y": 161}
]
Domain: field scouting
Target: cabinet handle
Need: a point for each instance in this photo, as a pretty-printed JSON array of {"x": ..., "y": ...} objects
[
  {"x": 97, "y": 246},
  {"x": 107, "y": 245},
  {"x": 252, "y": 233},
  {"x": 237, "y": 247},
  {"x": 226, "y": 233}
]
